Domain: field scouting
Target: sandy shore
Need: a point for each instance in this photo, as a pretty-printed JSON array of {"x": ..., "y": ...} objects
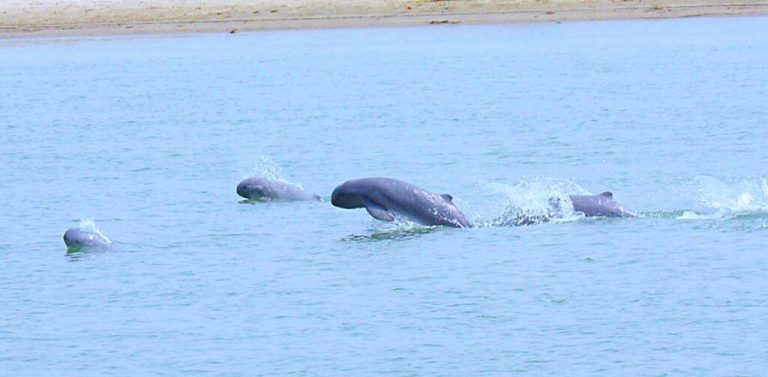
[{"x": 20, "y": 18}]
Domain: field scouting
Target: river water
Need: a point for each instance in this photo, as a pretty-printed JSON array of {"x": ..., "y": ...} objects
[{"x": 146, "y": 138}]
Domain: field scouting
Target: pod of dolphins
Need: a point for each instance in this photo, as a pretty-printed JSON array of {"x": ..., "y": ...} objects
[{"x": 385, "y": 199}]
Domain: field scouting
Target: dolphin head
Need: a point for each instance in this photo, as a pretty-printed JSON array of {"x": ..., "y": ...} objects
[
  {"x": 348, "y": 195},
  {"x": 251, "y": 187},
  {"x": 77, "y": 238}
]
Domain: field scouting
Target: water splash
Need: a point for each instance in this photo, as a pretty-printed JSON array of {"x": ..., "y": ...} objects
[
  {"x": 88, "y": 225},
  {"x": 715, "y": 199},
  {"x": 530, "y": 202},
  {"x": 268, "y": 168},
  {"x": 729, "y": 199}
]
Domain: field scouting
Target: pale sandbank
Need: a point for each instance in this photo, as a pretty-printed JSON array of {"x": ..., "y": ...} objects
[{"x": 21, "y": 18}]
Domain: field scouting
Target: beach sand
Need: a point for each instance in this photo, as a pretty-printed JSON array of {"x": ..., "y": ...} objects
[{"x": 20, "y": 18}]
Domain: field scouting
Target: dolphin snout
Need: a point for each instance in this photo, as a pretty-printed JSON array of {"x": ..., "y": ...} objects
[
  {"x": 342, "y": 197},
  {"x": 70, "y": 237},
  {"x": 242, "y": 189},
  {"x": 336, "y": 197}
]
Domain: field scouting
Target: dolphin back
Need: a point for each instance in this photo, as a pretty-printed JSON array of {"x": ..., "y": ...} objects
[
  {"x": 257, "y": 188},
  {"x": 76, "y": 238},
  {"x": 600, "y": 205}
]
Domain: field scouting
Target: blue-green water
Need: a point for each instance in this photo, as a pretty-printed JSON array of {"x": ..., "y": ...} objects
[{"x": 148, "y": 137}]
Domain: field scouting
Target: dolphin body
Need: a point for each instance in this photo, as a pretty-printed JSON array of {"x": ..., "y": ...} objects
[
  {"x": 387, "y": 198},
  {"x": 597, "y": 205},
  {"x": 77, "y": 238},
  {"x": 590, "y": 205},
  {"x": 257, "y": 188}
]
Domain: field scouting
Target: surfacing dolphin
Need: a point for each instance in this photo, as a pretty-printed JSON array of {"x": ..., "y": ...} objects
[
  {"x": 596, "y": 205},
  {"x": 387, "y": 198},
  {"x": 79, "y": 238},
  {"x": 257, "y": 188}
]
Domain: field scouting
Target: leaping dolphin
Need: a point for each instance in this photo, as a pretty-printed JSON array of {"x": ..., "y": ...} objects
[
  {"x": 387, "y": 198},
  {"x": 257, "y": 188}
]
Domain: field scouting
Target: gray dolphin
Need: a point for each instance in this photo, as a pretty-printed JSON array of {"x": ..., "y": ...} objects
[
  {"x": 386, "y": 198},
  {"x": 77, "y": 238},
  {"x": 596, "y": 205},
  {"x": 257, "y": 188}
]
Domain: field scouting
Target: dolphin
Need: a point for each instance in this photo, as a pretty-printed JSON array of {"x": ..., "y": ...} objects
[
  {"x": 78, "y": 238},
  {"x": 257, "y": 188},
  {"x": 387, "y": 198},
  {"x": 596, "y": 205}
]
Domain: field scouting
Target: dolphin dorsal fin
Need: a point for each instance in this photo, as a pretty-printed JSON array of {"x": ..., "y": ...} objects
[
  {"x": 447, "y": 197},
  {"x": 607, "y": 194}
]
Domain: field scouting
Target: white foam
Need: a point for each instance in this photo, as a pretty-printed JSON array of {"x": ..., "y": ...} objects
[
  {"x": 528, "y": 202},
  {"x": 747, "y": 196},
  {"x": 691, "y": 215},
  {"x": 267, "y": 167},
  {"x": 88, "y": 225}
]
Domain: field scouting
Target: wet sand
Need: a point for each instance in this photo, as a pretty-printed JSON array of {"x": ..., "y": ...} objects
[{"x": 95, "y": 17}]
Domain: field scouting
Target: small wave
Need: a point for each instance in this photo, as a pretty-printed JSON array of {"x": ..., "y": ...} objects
[
  {"x": 402, "y": 230},
  {"x": 723, "y": 215},
  {"x": 692, "y": 215}
]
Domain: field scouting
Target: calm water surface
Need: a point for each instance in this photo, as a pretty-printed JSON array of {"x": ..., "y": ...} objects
[{"x": 148, "y": 137}]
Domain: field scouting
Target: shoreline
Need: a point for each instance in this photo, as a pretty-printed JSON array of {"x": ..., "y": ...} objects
[{"x": 52, "y": 18}]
